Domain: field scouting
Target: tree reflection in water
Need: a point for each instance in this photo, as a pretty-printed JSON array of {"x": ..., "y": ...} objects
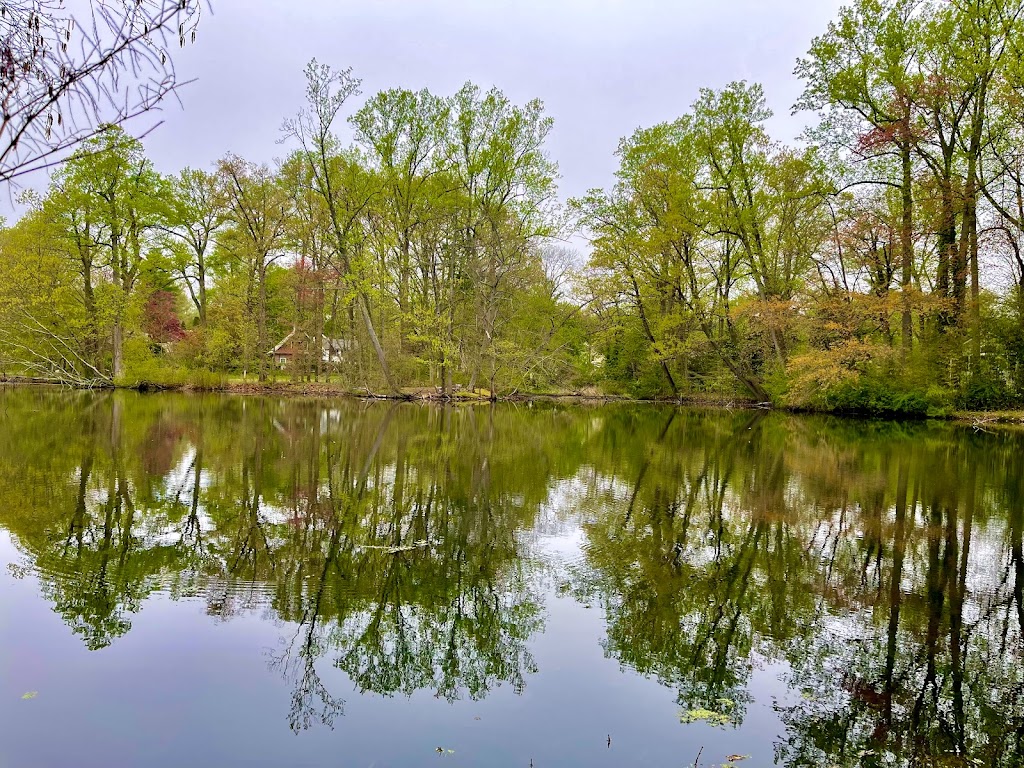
[{"x": 881, "y": 564}]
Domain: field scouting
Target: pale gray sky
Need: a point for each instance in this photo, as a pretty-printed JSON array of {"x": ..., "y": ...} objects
[{"x": 602, "y": 67}]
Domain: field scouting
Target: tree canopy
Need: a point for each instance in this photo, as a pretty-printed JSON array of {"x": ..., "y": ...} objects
[{"x": 874, "y": 265}]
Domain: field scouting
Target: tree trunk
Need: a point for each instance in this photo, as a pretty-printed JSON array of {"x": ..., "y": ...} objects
[
  {"x": 970, "y": 241},
  {"x": 261, "y": 323},
  {"x": 492, "y": 392},
  {"x": 364, "y": 311},
  {"x": 650, "y": 337},
  {"x": 202, "y": 291},
  {"x": 91, "y": 342},
  {"x": 403, "y": 292},
  {"x": 945, "y": 283},
  {"x": 117, "y": 343},
  {"x": 907, "y": 245}
]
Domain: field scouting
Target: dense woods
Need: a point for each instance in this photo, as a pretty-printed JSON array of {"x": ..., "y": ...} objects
[{"x": 411, "y": 240}]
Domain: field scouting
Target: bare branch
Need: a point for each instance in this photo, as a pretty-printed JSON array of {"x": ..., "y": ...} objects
[{"x": 65, "y": 75}]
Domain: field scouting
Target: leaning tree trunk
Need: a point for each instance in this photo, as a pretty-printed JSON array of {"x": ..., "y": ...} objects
[
  {"x": 118, "y": 344},
  {"x": 364, "y": 311}
]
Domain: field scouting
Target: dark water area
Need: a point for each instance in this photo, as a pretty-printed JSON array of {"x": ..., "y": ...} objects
[{"x": 219, "y": 581}]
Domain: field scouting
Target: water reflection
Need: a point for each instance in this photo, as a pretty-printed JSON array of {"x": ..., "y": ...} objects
[
  {"x": 881, "y": 566},
  {"x": 882, "y": 563}
]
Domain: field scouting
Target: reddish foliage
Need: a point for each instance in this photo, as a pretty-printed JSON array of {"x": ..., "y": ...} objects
[
  {"x": 308, "y": 279},
  {"x": 161, "y": 321},
  {"x": 159, "y": 451},
  {"x": 879, "y": 137}
]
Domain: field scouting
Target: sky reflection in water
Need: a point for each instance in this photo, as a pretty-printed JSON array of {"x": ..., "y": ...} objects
[{"x": 241, "y": 581}]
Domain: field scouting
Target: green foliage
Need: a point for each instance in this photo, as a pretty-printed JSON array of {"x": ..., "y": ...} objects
[
  {"x": 860, "y": 378},
  {"x": 985, "y": 390},
  {"x": 711, "y": 717},
  {"x": 882, "y": 397},
  {"x": 146, "y": 370},
  {"x": 874, "y": 269}
]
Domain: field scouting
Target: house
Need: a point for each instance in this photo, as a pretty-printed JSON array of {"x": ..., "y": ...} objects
[{"x": 291, "y": 349}]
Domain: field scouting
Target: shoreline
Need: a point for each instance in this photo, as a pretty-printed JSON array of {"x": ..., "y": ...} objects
[
  {"x": 405, "y": 394},
  {"x": 291, "y": 389}
]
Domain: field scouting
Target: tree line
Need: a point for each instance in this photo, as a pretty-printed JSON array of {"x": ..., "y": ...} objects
[
  {"x": 876, "y": 265},
  {"x": 873, "y": 265},
  {"x": 423, "y": 245}
]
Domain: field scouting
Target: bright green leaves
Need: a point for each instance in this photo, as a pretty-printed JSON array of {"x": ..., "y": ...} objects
[
  {"x": 706, "y": 209},
  {"x": 103, "y": 205}
]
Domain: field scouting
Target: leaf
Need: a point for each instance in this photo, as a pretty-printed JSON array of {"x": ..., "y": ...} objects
[{"x": 30, "y": 695}]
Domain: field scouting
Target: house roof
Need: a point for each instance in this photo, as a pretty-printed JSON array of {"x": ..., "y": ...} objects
[
  {"x": 334, "y": 346},
  {"x": 283, "y": 341}
]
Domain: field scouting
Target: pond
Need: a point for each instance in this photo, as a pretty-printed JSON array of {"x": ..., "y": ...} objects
[{"x": 217, "y": 580}]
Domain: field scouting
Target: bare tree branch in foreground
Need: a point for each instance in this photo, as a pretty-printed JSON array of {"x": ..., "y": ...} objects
[{"x": 70, "y": 67}]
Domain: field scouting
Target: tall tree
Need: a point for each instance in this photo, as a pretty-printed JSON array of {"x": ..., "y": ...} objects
[
  {"x": 258, "y": 208},
  {"x": 508, "y": 185},
  {"x": 195, "y": 213},
  {"x": 337, "y": 181},
  {"x": 402, "y": 132},
  {"x": 117, "y": 193},
  {"x": 862, "y": 73}
]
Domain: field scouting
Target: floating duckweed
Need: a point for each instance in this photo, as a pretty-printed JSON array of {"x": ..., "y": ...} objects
[{"x": 711, "y": 717}]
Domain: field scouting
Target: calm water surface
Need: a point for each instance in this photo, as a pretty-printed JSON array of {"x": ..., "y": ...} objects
[{"x": 219, "y": 581}]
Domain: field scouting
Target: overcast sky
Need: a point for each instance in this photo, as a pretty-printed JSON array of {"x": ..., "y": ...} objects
[{"x": 601, "y": 67}]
